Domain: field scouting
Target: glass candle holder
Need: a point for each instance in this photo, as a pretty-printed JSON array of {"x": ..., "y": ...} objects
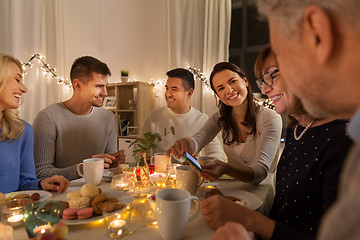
[
  {"x": 171, "y": 175},
  {"x": 12, "y": 212},
  {"x": 117, "y": 219},
  {"x": 122, "y": 182},
  {"x": 39, "y": 217},
  {"x": 158, "y": 179}
]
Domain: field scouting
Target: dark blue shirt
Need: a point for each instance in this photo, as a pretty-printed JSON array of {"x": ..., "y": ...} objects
[{"x": 307, "y": 179}]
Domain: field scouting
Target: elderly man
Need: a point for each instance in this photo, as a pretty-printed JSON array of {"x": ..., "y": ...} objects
[{"x": 317, "y": 46}]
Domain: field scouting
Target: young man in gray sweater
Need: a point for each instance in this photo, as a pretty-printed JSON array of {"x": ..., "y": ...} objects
[{"x": 66, "y": 133}]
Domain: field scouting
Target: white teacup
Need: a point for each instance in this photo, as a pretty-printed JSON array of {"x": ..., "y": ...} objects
[
  {"x": 160, "y": 162},
  {"x": 187, "y": 179},
  {"x": 93, "y": 170},
  {"x": 173, "y": 212}
]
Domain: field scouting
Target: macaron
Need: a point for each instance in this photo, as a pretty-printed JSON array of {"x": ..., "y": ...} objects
[
  {"x": 70, "y": 214},
  {"x": 85, "y": 213}
]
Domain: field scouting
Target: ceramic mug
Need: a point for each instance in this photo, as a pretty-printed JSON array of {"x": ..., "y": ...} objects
[
  {"x": 173, "y": 212},
  {"x": 187, "y": 179},
  {"x": 93, "y": 170},
  {"x": 160, "y": 162}
]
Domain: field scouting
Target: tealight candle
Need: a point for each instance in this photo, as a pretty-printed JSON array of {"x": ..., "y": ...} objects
[
  {"x": 116, "y": 224},
  {"x": 15, "y": 218},
  {"x": 42, "y": 229}
]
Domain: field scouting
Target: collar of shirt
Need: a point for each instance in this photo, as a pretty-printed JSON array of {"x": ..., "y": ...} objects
[{"x": 354, "y": 126}]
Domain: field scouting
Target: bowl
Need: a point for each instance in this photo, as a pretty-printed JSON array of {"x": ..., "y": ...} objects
[{"x": 152, "y": 202}]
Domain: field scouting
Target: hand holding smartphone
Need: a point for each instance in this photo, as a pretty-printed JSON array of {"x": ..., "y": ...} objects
[{"x": 193, "y": 161}]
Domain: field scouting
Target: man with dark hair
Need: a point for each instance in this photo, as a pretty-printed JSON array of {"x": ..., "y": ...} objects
[
  {"x": 66, "y": 133},
  {"x": 178, "y": 113}
]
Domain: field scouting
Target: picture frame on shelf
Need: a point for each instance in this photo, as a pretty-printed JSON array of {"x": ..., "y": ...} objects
[{"x": 109, "y": 103}]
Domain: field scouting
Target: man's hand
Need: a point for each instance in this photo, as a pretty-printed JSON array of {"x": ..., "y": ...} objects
[
  {"x": 55, "y": 183},
  {"x": 119, "y": 158},
  {"x": 108, "y": 158}
]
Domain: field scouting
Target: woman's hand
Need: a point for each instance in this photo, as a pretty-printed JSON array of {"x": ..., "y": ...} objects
[
  {"x": 218, "y": 210},
  {"x": 180, "y": 147},
  {"x": 55, "y": 183},
  {"x": 231, "y": 231},
  {"x": 214, "y": 169}
]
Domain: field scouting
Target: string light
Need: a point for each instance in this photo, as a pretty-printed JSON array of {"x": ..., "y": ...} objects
[
  {"x": 47, "y": 70},
  {"x": 266, "y": 102}
]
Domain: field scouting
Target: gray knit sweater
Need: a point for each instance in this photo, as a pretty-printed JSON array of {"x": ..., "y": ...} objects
[{"x": 63, "y": 139}]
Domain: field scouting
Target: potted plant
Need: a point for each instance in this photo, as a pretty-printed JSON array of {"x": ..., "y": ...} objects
[
  {"x": 124, "y": 75},
  {"x": 141, "y": 151}
]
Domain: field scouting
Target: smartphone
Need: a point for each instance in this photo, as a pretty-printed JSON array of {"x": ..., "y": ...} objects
[{"x": 193, "y": 161}]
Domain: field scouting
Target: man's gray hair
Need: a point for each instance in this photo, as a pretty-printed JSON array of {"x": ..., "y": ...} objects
[{"x": 288, "y": 13}]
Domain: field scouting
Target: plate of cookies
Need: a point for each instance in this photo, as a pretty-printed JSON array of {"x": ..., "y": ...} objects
[
  {"x": 86, "y": 205},
  {"x": 35, "y": 195},
  {"x": 241, "y": 197}
]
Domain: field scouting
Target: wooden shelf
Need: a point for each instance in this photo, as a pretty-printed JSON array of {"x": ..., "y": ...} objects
[{"x": 126, "y": 93}]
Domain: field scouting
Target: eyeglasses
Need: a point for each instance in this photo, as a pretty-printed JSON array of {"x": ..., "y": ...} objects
[{"x": 268, "y": 78}]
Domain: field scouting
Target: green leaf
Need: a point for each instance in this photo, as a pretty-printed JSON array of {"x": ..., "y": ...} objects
[
  {"x": 164, "y": 131},
  {"x": 153, "y": 145},
  {"x": 143, "y": 141},
  {"x": 172, "y": 130}
]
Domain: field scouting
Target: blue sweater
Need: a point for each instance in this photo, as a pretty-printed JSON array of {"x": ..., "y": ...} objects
[{"x": 17, "y": 170}]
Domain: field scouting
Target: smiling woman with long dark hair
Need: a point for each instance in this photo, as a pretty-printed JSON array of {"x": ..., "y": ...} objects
[{"x": 251, "y": 133}]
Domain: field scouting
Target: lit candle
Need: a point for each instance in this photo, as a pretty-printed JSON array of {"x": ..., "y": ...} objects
[
  {"x": 15, "y": 218},
  {"x": 42, "y": 229},
  {"x": 116, "y": 224}
]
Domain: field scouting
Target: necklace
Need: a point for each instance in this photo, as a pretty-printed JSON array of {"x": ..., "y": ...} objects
[{"x": 303, "y": 132}]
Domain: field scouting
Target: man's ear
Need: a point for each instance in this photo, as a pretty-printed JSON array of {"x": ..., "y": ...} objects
[
  {"x": 190, "y": 92},
  {"x": 318, "y": 33},
  {"x": 76, "y": 83}
]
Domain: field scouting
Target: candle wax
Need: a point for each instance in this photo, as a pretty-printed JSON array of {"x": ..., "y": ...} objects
[{"x": 15, "y": 218}]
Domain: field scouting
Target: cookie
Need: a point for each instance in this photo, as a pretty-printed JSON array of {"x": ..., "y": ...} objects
[
  {"x": 84, "y": 213},
  {"x": 89, "y": 190},
  {"x": 21, "y": 196},
  {"x": 2, "y": 197},
  {"x": 64, "y": 205},
  {"x": 98, "y": 199},
  {"x": 73, "y": 194},
  {"x": 79, "y": 202},
  {"x": 70, "y": 214}
]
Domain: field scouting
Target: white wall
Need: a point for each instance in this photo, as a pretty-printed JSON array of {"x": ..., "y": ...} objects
[{"x": 125, "y": 34}]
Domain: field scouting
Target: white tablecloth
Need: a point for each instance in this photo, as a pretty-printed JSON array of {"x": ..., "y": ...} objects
[{"x": 197, "y": 229}]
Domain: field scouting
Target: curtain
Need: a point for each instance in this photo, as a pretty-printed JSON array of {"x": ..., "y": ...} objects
[
  {"x": 198, "y": 35},
  {"x": 30, "y": 27}
]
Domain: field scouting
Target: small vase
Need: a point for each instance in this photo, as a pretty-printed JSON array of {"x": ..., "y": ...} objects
[{"x": 141, "y": 182}]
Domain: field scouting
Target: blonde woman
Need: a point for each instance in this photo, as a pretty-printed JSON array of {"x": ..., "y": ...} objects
[{"x": 16, "y": 137}]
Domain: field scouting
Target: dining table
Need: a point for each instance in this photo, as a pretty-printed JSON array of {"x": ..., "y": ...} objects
[{"x": 145, "y": 227}]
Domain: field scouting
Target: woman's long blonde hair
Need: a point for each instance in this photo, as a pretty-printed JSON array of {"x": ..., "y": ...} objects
[{"x": 11, "y": 127}]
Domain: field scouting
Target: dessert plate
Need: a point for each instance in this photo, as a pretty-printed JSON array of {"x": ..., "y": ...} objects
[
  {"x": 44, "y": 195},
  {"x": 123, "y": 197},
  {"x": 251, "y": 200}
]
